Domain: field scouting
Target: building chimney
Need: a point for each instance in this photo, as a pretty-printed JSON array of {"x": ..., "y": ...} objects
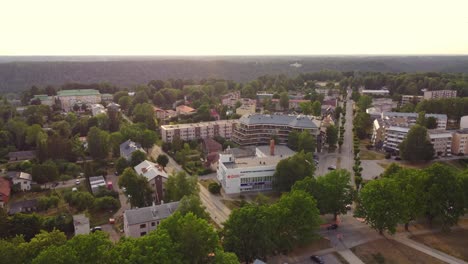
[{"x": 272, "y": 147}]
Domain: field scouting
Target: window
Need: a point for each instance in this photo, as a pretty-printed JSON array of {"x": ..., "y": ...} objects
[
  {"x": 153, "y": 223},
  {"x": 142, "y": 233},
  {"x": 142, "y": 225}
]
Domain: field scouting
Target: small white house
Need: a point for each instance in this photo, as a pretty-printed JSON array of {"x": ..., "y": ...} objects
[
  {"x": 81, "y": 224},
  {"x": 24, "y": 180}
]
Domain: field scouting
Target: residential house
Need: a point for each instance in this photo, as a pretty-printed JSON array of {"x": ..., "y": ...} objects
[
  {"x": 24, "y": 180},
  {"x": 211, "y": 149},
  {"x": 440, "y": 94},
  {"x": 5, "y": 191},
  {"x": 25, "y": 206},
  {"x": 22, "y": 155},
  {"x": 185, "y": 110},
  {"x": 96, "y": 182},
  {"x": 140, "y": 221},
  {"x": 128, "y": 147},
  {"x": 81, "y": 224},
  {"x": 230, "y": 99},
  {"x": 97, "y": 109},
  {"x": 156, "y": 177},
  {"x": 192, "y": 131},
  {"x": 68, "y": 98}
]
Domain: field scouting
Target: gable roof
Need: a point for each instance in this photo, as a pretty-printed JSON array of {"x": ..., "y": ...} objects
[
  {"x": 150, "y": 213},
  {"x": 22, "y": 155},
  {"x": 185, "y": 109},
  {"x": 150, "y": 170},
  {"x": 21, "y": 206},
  {"x": 128, "y": 147}
]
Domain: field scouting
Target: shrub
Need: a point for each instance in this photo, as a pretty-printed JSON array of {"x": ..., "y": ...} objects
[
  {"x": 214, "y": 188},
  {"x": 106, "y": 203}
]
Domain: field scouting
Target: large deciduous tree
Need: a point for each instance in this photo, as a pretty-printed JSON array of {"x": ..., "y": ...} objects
[
  {"x": 332, "y": 135},
  {"x": 292, "y": 169},
  {"x": 137, "y": 187},
  {"x": 381, "y": 204},
  {"x": 416, "y": 145},
  {"x": 98, "y": 143},
  {"x": 180, "y": 185}
]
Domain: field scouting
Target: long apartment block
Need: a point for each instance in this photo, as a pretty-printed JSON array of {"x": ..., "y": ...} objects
[
  {"x": 193, "y": 131},
  {"x": 258, "y": 129}
]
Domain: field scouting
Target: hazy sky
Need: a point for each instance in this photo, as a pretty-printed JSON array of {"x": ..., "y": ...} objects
[{"x": 236, "y": 27}]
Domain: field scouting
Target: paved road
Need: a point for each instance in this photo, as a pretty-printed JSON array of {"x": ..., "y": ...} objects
[{"x": 218, "y": 211}]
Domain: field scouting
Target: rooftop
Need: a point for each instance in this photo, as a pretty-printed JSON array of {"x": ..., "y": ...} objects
[
  {"x": 295, "y": 121},
  {"x": 261, "y": 157},
  {"x": 185, "y": 109},
  {"x": 150, "y": 170},
  {"x": 5, "y": 187},
  {"x": 151, "y": 213},
  {"x": 200, "y": 124},
  {"x": 80, "y": 219},
  {"x": 128, "y": 147},
  {"x": 78, "y": 92}
]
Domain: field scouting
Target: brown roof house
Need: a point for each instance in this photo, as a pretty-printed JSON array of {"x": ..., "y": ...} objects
[{"x": 5, "y": 190}]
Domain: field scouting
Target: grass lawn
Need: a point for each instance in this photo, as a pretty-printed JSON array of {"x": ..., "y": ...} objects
[
  {"x": 99, "y": 217},
  {"x": 231, "y": 204},
  {"x": 366, "y": 154},
  {"x": 390, "y": 251},
  {"x": 453, "y": 243}
]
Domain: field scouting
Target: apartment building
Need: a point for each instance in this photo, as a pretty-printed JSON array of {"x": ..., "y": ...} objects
[
  {"x": 68, "y": 98},
  {"x": 460, "y": 142},
  {"x": 258, "y": 129},
  {"x": 383, "y": 104},
  {"x": 140, "y": 221},
  {"x": 250, "y": 173},
  {"x": 156, "y": 177},
  {"x": 44, "y": 99},
  {"x": 192, "y": 131},
  {"x": 440, "y": 94},
  {"x": 441, "y": 140},
  {"x": 390, "y": 121},
  {"x": 292, "y": 105},
  {"x": 406, "y": 99}
]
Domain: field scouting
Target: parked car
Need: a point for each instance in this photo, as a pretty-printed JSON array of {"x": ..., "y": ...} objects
[
  {"x": 397, "y": 158},
  {"x": 96, "y": 228},
  {"x": 332, "y": 167},
  {"x": 332, "y": 227},
  {"x": 77, "y": 182},
  {"x": 348, "y": 207},
  {"x": 317, "y": 259}
]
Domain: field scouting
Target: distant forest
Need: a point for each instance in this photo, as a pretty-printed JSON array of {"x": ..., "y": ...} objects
[{"x": 18, "y": 74}]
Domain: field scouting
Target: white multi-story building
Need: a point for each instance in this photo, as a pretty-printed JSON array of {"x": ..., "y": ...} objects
[
  {"x": 441, "y": 140},
  {"x": 230, "y": 99},
  {"x": 192, "y": 131},
  {"x": 440, "y": 94},
  {"x": 409, "y": 119},
  {"x": 251, "y": 173},
  {"x": 68, "y": 98},
  {"x": 140, "y": 221}
]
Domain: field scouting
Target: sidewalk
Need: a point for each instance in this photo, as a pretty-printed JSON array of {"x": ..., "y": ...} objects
[{"x": 427, "y": 250}]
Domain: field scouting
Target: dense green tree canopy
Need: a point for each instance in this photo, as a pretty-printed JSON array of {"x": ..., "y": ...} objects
[{"x": 416, "y": 145}]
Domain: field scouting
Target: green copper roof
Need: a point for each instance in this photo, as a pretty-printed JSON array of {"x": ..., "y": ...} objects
[{"x": 81, "y": 92}]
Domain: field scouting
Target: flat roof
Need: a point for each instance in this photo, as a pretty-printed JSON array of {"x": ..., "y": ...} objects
[
  {"x": 82, "y": 92},
  {"x": 281, "y": 152},
  {"x": 295, "y": 121},
  {"x": 200, "y": 124}
]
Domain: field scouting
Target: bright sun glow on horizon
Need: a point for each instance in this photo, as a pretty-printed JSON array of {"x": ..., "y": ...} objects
[{"x": 241, "y": 27}]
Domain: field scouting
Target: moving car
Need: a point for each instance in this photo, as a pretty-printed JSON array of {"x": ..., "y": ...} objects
[
  {"x": 332, "y": 227},
  {"x": 77, "y": 182},
  {"x": 332, "y": 167},
  {"x": 317, "y": 259}
]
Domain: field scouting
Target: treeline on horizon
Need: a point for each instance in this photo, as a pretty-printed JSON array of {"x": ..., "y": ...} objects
[{"x": 18, "y": 76}]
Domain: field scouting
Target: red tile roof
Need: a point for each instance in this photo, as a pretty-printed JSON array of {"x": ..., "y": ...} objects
[
  {"x": 185, "y": 109},
  {"x": 5, "y": 189}
]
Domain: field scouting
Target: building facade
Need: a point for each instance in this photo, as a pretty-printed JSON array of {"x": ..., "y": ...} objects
[
  {"x": 230, "y": 99},
  {"x": 24, "y": 180},
  {"x": 193, "y": 131},
  {"x": 258, "y": 129},
  {"x": 406, "y": 99},
  {"x": 68, "y": 98},
  {"x": 44, "y": 99},
  {"x": 140, "y": 221},
  {"x": 460, "y": 142},
  {"x": 440, "y": 94},
  {"x": 156, "y": 177},
  {"x": 250, "y": 173}
]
